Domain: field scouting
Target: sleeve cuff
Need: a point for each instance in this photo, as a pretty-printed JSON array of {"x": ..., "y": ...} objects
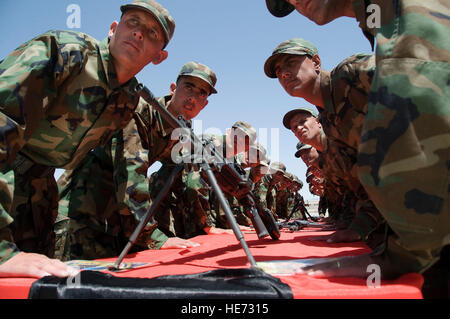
[
  {"x": 7, "y": 250},
  {"x": 158, "y": 238}
]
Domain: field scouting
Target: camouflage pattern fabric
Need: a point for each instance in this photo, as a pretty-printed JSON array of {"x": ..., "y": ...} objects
[
  {"x": 6, "y": 196},
  {"x": 201, "y": 71},
  {"x": 281, "y": 202},
  {"x": 108, "y": 194},
  {"x": 59, "y": 98},
  {"x": 296, "y": 46},
  {"x": 271, "y": 198},
  {"x": 405, "y": 145},
  {"x": 174, "y": 216},
  {"x": 345, "y": 91},
  {"x": 333, "y": 166}
]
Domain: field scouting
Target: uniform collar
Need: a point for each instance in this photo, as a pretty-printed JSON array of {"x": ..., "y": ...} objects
[
  {"x": 164, "y": 128},
  {"x": 325, "y": 88},
  {"x": 108, "y": 66},
  {"x": 323, "y": 141}
]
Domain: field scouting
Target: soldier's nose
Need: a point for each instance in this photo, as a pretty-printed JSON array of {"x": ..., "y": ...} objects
[
  {"x": 138, "y": 34},
  {"x": 285, "y": 74}
]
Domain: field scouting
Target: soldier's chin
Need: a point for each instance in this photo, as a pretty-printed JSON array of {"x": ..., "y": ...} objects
[{"x": 187, "y": 114}]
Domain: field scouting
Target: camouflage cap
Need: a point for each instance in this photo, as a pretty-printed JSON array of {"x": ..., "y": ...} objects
[
  {"x": 296, "y": 46},
  {"x": 279, "y": 8},
  {"x": 289, "y": 115},
  {"x": 200, "y": 71},
  {"x": 300, "y": 147},
  {"x": 248, "y": 129},
  {"x": 278, "y": 167},
  {"x": 158, "y": 11},
  {"x": 298, "y": 181}
]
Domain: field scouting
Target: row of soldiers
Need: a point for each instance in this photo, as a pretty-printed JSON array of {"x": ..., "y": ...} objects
[
  {"x": 381, "y": 133},
  {"x": 192, "y": 208},
  {"x": 378, "y": 135},
  {"x": 74, "y": 106}
]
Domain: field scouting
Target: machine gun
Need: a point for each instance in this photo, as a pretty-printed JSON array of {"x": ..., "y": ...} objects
[
  {"x": 233, "y": 181},
  {"x": 300, "y": 204},
  {"x": 192, "y": 138},
  {"x": 298, "y": 225}
]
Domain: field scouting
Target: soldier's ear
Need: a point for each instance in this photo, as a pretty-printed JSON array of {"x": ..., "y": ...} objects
[
  {"x": 163, "y": 54},
  {"x": 112, "y": 29},
  {"x": 318, "y": 122},
  {"x": 173, "y": 87},
  {"x": 317, "y": 63}
]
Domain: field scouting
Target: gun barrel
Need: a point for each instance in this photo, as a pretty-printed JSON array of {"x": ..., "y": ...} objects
[{"x": 260, "y": 228}]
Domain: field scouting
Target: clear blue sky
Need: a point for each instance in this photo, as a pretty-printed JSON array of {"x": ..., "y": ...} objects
[{"x": 233, "y": 37}]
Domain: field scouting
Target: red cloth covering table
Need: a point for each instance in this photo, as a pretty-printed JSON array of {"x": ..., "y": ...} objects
[{"x": 224, "y": 251}]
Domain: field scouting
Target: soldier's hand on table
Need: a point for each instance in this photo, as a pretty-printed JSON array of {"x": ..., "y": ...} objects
[
  {"x": 215, "y": 230},
  {"x": 35, "y": 265},
  {"x": 350, "y": 266},
  {"x": 340, "y": 236},
  {"x": 246, "y": 228},
  {"x": 176, "y": 242},
  {"x": 338, "y": 225},
  {"x": 355, "y": 266}
]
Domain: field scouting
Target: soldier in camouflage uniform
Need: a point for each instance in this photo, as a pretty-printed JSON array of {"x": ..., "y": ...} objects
[
  {"x": 341, "y": 97},
  {"x": 294, "y": 197},
  {"x": 316, "y": 180},
  {"x": 191, "y": 197},
  {"x": 104, "y": 199},
  {"x": 266, "y": 190},
  {"x": 245, "y": 157},
  {"x": 255, "y": 163},
  {"x": 404, "y": 150},
  {"x": 260, "y": 175},
  {"x": 62, "y": 94},
  {"x": 283, "y": 193},
  {"x": 308, "y": 129}
]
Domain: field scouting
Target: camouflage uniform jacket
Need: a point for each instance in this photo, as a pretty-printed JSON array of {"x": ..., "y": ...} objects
[
  {"x": 126, "y": 160},
  {"x": 346, "y": 92},
  {"x": 146, "y": 140},
  {"x": 59, "y": 98},
  {"x": 404, "y": 151},
  {"x": 265, "y": 193},
  {"x": 281, "y": 202}
]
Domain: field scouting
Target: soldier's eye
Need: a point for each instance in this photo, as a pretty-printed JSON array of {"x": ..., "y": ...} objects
[
  {"x": 153, "y": 34},
  {"x": 132, "y": 22},
  {"x": 203, "y": 94}
]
